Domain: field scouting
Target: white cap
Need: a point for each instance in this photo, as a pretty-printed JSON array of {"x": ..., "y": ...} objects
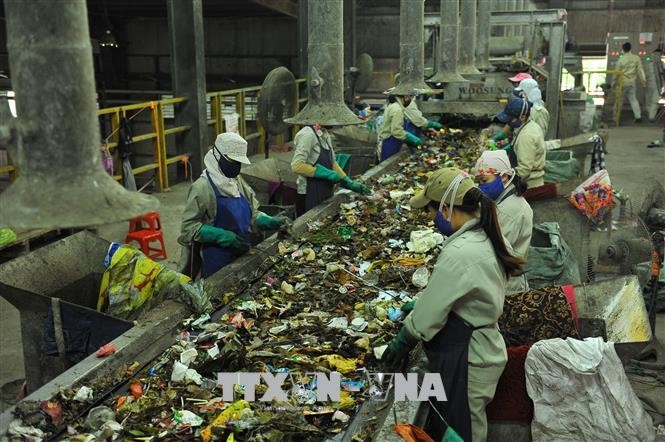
[{"x": 233, "y": 146}]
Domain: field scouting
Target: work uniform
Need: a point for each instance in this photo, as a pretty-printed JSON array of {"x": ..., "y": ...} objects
[
  {"x": 456, "y": 318},
  {"x": 541, "y": 116},
  {"x": 391, "y": 133},
  {"x": 414, "y": 121},
  {"x": 631, "y": 66},
  {"x": 314, "y": 147},
  {"x": 516, "y": 222},
  {"x": 529, "y": 148},
  {"x": 233, "y": 207}
]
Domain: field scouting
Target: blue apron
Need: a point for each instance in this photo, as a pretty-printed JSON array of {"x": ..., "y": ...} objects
[
  {"x": 411, "y": 128},
  {"x": 389, "y": 147},
  {"x": 319, "y": 190},
  {"x": 233, "y": 214}
]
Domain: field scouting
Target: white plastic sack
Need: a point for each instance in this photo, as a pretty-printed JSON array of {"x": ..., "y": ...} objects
[{"x": 580, "y": 392}]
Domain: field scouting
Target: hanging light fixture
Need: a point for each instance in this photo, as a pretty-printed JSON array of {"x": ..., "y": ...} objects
[{"x": 108, "y": 40}]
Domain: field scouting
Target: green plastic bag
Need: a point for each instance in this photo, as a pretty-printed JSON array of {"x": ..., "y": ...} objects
[
  {"x": 7, "y": 236},
  {"x": 560, "y": 166},
  {"x": 550, "y": 261}
]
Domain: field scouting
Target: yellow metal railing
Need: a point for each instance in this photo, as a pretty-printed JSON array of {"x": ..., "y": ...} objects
[
  {"x": 158, "y": 133},
  {"x": 617, "y": 94},
  {"x": 241, "y": 95}
]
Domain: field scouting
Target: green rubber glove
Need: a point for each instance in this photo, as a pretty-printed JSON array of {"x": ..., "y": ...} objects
[
  {"x": 507, "y": 147},
  {"x": 266, "y": 222},
  {"x": 412, "y": 140},
  {"x": 408, "y": 306},
  {"x": 324, "y": 173},
  {"x": 434, "y": 125},
  {"x": 357, "y": 187},
  {"x": 221, "y": 237},
  {"x": 498, "y": 136},
  {"x": 397, "y": 351}
]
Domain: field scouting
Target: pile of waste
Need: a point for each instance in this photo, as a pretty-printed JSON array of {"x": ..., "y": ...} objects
[{"x": 329, "y": 303}]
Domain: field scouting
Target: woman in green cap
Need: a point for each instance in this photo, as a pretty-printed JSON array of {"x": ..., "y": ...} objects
[{"x": 456, "y": 316}]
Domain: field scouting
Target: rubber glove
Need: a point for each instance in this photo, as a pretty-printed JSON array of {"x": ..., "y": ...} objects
[
  {"x": 408, "y": 306},
  {"x": 357, "y": 187},
  {"x": 507, "y": 147},
  {"x": 324, "y": 173},
  {"x": 221, "y": 237},
  {"x": 433, "y": 125},
  {"x": 498, "y": 136},
  {"x": 266, "y": 222},
  {"x": 397, "y": 351},
  {"x": 412, "y": 140}
]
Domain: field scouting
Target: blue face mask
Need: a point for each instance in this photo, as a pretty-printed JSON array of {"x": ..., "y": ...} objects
[
  {"x": 515, "y": 124},
  {"x": 443, "y": 224},
  {"x": 493, "y": 189}
]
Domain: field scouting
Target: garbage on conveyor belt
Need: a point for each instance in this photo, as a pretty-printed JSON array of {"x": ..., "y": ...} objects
[{"x": 330, "y": 302}]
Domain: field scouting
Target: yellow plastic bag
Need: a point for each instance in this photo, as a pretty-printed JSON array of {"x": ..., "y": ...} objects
[
  {"x": 231, "y": 413},
  {"x": 339, "y": 363}
]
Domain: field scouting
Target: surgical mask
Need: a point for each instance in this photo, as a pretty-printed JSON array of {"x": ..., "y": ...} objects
[
  {"x": 492, "y": 189},
  {"x": 443, "y": 224},
  {"x": 229, "y": 168},
  {"x": 515, "y": 123}
]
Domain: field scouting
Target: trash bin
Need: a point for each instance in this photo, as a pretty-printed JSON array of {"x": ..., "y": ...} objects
[{"x": 560, "y": 166}]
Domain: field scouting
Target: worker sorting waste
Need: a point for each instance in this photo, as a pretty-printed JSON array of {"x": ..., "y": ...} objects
[
  {"x": 393, "y": 133},
  {"x": 414, "y": 121},
  {"x": 456, "y": 315},
  {"x": 499, "y": 181},
  {"x": 528, "y": 143},
  {"x": 531, "y": 92},
  {"x": 220, "y": 211},
  {"x": 314, "y": 161}
]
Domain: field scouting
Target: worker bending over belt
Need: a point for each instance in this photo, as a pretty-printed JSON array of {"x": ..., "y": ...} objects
[
  {"x": 527, "y": 154},
  {"x": 392, "y": 133},
  {"x": 502, "y": 137},
  {"x": 499, "y": 181},
  {"x": 532, "y": 93},
  {"x": 220, "y": 210},
  {"x": 456, "y": 316},
  {"x": 414, "y": 121},
  {"x": 314, "y": 162}
]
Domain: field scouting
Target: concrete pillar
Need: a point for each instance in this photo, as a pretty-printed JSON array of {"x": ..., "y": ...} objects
[
  {"x": 467, "y": 44},
  {"x": 411, "y": 47},
  {"x": 349, "y": 33},
  {"x": 483, "y": 35},
  {"x": 520, "y": 6},
  {"x": 302, "y": 37},
  {"x": 61, "y": 182},
  {"x": 555, "y": 59},
  {"x": 448, "y": 47},
  {"x": 189, "y": 77},
  {"x": 325, "y": 71}
]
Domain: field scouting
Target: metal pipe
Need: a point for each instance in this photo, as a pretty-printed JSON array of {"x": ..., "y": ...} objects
[
  {"x": 61, "y": 181},
  {"x": 483, "y": 35},
  {"x": 325, "y": 66},
  {"x": 411, "y": 48},
  {"x": 448, "y": 47},
  {"x": 467, "y": 44}
]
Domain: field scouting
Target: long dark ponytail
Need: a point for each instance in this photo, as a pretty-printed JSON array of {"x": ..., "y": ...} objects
[{"x": 489, "y": 221}]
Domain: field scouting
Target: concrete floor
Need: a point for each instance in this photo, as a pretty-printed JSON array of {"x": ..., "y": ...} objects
[{"x": 631, "y": 165}]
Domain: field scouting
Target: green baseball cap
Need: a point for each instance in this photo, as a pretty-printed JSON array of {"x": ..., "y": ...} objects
[{"x": 438, "y": 183}]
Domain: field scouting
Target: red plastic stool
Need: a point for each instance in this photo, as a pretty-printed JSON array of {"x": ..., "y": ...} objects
[
  {"x": 144, "y": 238},
  {"x": 151, "y": 219}
]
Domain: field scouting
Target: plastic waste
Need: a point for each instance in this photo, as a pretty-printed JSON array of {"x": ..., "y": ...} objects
[
  {"x": 339, "y": 322},
  {"x": 378, "y": 351},
  {"x": 186, "y": 417},
  {"x": 84, "y": 394},
  {"x": 98, "y": 416},
  {"x": 105, "y": 350},
  {"x": 422, "y": 241},
  {"x": 340, "y": 416},
  {"x": 420, "y": 277},
  {"x": 178, "y": 373}
]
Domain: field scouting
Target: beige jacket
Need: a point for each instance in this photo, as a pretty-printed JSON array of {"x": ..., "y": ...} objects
[
  {"x": 393, "y": 122},
  {"x": 414, "y": 115},
  {"x": 529, "y": 146},
  {"x": 631, "y": 66},
  {"x": 468, "y": 280},
  {"x": 541, "y": 116},
  {"x": 516, "y": 222},
  {"x": 307, "y": 150}
]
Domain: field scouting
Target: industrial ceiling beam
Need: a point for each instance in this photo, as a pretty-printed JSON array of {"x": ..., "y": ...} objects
[{"x": 286, "y": 7}]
